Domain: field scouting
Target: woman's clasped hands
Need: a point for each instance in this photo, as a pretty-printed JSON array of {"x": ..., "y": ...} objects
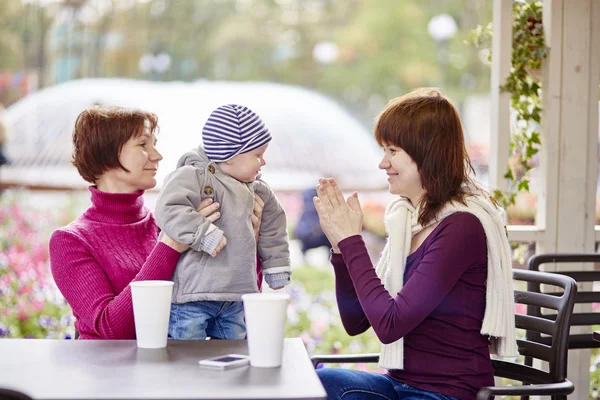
[{"x": 339, "y": 218}]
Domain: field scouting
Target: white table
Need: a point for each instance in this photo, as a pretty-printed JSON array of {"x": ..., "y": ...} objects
[{"x": 117, "y": 369}]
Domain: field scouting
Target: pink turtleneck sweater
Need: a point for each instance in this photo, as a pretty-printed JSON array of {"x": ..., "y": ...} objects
[{"x": 94, "y": 258}]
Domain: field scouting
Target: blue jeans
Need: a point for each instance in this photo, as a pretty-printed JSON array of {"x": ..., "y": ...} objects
[
  {"x": 349, "y": 384},
  {"x": 198, "y": 319}
]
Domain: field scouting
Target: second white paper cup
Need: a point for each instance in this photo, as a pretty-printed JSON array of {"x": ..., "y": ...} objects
[
  {"x": 151, "y": 311},
  {"x": 266, "y": 314}
]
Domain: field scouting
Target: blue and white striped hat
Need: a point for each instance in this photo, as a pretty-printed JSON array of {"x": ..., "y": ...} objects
[{"x": 231, "y": 130}]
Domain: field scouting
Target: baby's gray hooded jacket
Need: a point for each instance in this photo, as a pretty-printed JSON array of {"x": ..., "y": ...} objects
[{"x": 198, "y": 276}]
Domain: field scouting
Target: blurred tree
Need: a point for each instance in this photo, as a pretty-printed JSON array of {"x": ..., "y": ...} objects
[
  {"x": 101, "y": 36},
  {"x": 36, "y": 20},
  {"x": 23, "y": 45},
  {"x": 11, "y": 28}
]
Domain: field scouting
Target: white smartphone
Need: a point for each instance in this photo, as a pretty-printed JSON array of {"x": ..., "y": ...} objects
[{"x": 225, "y": 362}]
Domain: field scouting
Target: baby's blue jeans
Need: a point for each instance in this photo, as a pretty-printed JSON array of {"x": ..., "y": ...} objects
[{"x": 198, "y": 319}]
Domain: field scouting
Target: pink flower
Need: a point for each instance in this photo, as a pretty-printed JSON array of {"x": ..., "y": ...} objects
[
  {"x": 25, "y": 290},
  {"x": 22, "y": 314},
  {"x": 318, "y": 328},
  {"x": 25, "y": 280}
]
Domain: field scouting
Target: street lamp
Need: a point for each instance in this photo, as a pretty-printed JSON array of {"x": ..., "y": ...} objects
[
  {"x": 325, "y": 52},
  {"x": 442, "y": 28}
]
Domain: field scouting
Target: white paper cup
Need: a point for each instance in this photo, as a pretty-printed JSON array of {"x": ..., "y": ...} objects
[
  {"x": 151, "y": 311},
  {"x": 265, "y": 314}
]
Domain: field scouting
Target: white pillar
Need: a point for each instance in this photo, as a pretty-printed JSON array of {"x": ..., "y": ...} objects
[
  {"x": 501, "y": 63},
  {"x": 569, "y": 158}
]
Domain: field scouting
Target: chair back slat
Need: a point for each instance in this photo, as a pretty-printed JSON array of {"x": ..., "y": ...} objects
[
  {"x": 582, "y": 276},
  {"x": 540, "y": 351},
  {"x": 577, "y": 319},
  {"x": 539, "y": 259},
  {"x": 582, "y": 297},
  {"x": 582, "y": 341},
  {"x": 581, "y": 319},
  {"x": 587, "y": 297},
  {"x": 520, "y": 372},
  {"x": 537, "y": 299},
  {"x": 535, "y": 324}
]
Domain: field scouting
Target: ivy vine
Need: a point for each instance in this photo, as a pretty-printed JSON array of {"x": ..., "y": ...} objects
[{"x": 525, "y": 88}]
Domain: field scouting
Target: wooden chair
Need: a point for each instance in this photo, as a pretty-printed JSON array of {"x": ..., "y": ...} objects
[{"x": 535, "y": 381}]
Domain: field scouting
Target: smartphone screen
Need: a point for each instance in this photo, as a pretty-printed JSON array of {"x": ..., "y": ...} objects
[
  {"x": 227, "y": 359},
  {"x": 225, "y": 362}
]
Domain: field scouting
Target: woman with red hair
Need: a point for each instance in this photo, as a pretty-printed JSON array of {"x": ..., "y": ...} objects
[{"x": 441, "y": 296}]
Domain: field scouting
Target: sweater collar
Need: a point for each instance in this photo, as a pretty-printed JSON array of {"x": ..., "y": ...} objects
[{"x": 116, "y": 208}]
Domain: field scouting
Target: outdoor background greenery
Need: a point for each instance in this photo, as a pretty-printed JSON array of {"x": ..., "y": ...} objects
[{"x": 383, "y": 47}]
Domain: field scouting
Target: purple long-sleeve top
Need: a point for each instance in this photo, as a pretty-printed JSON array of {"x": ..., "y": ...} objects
[{"x": 438, "y": 311}]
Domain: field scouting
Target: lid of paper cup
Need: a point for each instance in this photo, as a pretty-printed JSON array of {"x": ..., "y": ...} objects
[
  {"x": 265, "y": 296},
  {"x": 150, "y": 283}
]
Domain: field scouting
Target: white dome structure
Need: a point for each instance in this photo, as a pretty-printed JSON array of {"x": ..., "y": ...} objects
[{"x": 312, "y": 135}]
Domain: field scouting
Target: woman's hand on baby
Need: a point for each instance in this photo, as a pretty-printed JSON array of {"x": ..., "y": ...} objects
[
  {"x": 209, "y": 210},
  {"x": 256, "y": 218},
  {"x": 220, "y": 246},
  {"x": 339, "y": 218}
]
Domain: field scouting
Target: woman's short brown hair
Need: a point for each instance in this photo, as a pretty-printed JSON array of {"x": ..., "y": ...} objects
[
  {"x": 99, "y": 136},
  {"x": 427, "y": 127}
]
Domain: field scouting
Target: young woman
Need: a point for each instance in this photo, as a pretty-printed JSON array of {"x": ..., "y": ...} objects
[{"x": 442, "y": 292}]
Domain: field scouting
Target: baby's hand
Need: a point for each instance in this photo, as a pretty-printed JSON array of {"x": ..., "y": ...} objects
[
  {"x": 277, "y": 280},
  {"x": 220, "y": 246}
]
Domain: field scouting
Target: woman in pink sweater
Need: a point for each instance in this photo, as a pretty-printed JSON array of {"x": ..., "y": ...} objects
[{"x": 114, "y": 241}]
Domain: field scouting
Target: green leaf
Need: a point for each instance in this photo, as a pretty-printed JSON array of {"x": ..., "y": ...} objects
[
  {"x": 524, "y": 185},
  {"x": 531, "y": 151}
]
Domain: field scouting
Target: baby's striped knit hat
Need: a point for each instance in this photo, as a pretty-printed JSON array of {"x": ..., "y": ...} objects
[{"x": 231, "y": 130}]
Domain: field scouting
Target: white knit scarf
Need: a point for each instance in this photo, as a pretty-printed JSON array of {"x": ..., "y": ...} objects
[{"x": 401, "y": 220}]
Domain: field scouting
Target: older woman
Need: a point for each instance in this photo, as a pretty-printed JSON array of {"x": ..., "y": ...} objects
[
  {"x": 115, "y": 241},
  {"x": 442, "y": 292}
]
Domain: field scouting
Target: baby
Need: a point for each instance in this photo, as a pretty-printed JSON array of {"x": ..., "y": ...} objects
[{"x": 220, "y": 265}]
